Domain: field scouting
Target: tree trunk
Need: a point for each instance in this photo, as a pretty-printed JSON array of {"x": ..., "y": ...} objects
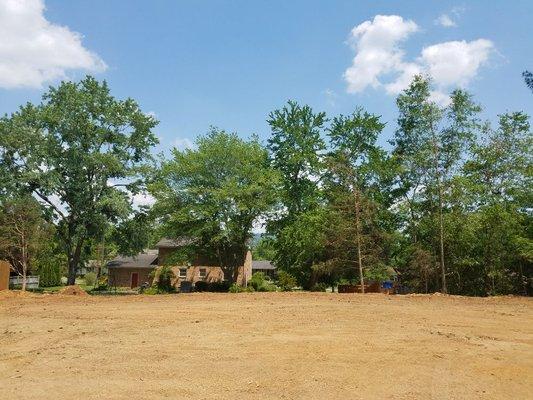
[
  {"x": 24, "y": 263},
  {"x": 73, "y": 263},
  {"x": 358, "y": 240},
  {"x": 441, "y": 222},
  {"x": 24, "y": 275},
  {"x": 441, "y": 240}
]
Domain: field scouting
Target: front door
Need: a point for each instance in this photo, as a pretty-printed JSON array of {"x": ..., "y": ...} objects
[{"x": 134, "y": 279}]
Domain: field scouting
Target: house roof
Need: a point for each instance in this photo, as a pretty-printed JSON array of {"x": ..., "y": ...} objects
[
  {"x": 147, "y": 259},
  {"x": 174, "y": 243},
  {"x": 262, "y": 264}
]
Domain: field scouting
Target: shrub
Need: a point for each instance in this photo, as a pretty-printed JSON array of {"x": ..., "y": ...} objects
[
  {"x": 49, "y": 274},
  {"x": 267, "y": 287},
  {"x": 234, "y": 288},
  {"x": 90, "y": 279},
  {"x": 257, "y": 281},
  {"x": 319, "y": 287},
  {"x": 164, "y": 276},
  {"x": 219, "y": 286},
  {"x": 286, "y": 281},
  {"x": 201, "y": 286},
  {"x": 151, "y": 290}
]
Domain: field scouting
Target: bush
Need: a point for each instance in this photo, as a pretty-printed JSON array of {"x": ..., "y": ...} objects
[
  {"x": 286, "y": 281},
  {"x": 49, "y": 274},
  {"x": 152, "y": 290},
  {"x": 202, "y": 286},
  {"x": 259, "y": 282},
  {"x": 234, "y": 288},
  {"x": 90, "y": 279},
  {"x": 164, "y": 276},
  {"x": 319, "y": 287},
  {"x": 267, "y": 287}
]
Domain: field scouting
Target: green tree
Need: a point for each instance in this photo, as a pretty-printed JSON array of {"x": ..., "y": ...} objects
[
  {"x": 302, "y": 245},
  {"x": 296, "y": 150},
  {"x": 22, "y": 233},
  {"x": 430, "y": 145},
  {"x": 264, "y": 249},
  {"x": 352, "y": 171},
  {"x": 214, "y": 194},
  {"x": 75, "y": 151},
  {"x": 295, "y": 146},
  {"x": 500, "y": 180}
]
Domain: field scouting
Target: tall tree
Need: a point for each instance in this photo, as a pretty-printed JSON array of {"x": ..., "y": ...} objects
[
  {"x": 214, "y": 194},
  {"x": 353, "y": 139},
  {"x": 22, "y": 233},
  {"x": 500, "y": 180},
  {"x": 430, "y": 143},
  {"x": 296, "y": 149},
  {"x": 80, "y": 151},
  {"x": 295, "y": 146}
]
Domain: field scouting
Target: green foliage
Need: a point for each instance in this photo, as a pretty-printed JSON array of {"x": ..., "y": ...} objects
[
  {"x": 134, "y": 234},
  {"x": 257, "y": 280},
  {"x": 49, "y": 275},
  {"x": 295, "y": 145},
  {"x": 235, "y": 288},
  {"x": 221, "y": 287},
  {"x": 214, "y": 193},
  {"x": 448, "y": 208},
  {"x": 163, "y": 278},
  {"x": 302, "y": 243},
  {"x": 264, "y": 249},
  {"x": 153, "y": 290},
  {"x": 76, "y": 151},
  {"x": 379, "y": 272},
  {"x": 90, "y": 279},
  {"x": 286, "y": 281},
  {"x": 319, "y": 287},
  {"x": 528, "y": 78},
  {"x": 260, "y": 283},
  {"x": 23, "y": 233}
]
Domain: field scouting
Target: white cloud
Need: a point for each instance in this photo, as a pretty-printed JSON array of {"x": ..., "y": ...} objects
[
  {"x": 33, "y": 50},
  {"x": 445, "y": 21},
  {"x": 377, "y": 50},
  {"x": 456, "y": 63},
  {"x": 379, "y": 60}
]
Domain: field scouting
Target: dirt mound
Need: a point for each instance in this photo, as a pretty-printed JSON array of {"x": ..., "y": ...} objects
[{"x": 73, "y": 290}]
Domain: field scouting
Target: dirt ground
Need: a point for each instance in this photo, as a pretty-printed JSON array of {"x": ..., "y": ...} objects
[{"x": 265, "y": 346}]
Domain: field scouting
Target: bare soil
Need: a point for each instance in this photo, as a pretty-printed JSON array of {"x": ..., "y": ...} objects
[{"x": 265, "y": 346}]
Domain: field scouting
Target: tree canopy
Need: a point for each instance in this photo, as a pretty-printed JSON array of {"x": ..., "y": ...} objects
[
  {"x": 80, "y": 152},
  {"x": 214, "y": 194}
]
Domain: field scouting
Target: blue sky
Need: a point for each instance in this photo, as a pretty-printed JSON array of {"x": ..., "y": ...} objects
[{"x": 229, "y": 63}]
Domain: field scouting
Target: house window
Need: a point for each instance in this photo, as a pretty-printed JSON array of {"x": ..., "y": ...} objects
[
  {"x": 183, "y": 272},
  {"x": 203, "y": 273}
]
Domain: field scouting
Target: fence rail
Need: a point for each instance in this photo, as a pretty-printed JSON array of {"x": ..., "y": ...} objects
[{"x": 32, "y": 281}]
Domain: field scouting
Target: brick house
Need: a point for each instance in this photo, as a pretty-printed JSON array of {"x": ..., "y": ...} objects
[
  {"x": 135, "y": 271},
  {"x": 132, "y": 271}
]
